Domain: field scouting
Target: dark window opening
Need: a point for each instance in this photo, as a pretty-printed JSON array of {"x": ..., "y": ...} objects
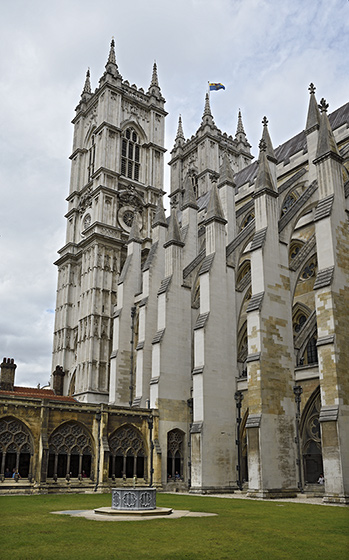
[{"x": 130, "y": 154}]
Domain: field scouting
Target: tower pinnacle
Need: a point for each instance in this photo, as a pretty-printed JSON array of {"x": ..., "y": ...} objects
[
  {"x": 87, "y": 85},
  {"x": 313, "y": 117}
]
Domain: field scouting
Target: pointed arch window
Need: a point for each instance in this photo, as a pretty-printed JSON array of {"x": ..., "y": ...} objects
[
  {"x": 70, "y": 452},
  {"x": 127, "y": 453},
  {"x": 130, "y": 154},
  {"x": 91, "y": 158},
  {"x": 16, "y": 449},
  {"x": 175, "y": 444},
  {"x": 311, "y": 439}
]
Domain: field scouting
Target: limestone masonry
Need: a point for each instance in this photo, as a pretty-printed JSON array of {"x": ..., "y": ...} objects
[{"x": 205, "y": 351}]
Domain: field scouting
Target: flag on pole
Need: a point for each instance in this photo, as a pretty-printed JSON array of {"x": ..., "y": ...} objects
[{"x": 215, "y": 86}]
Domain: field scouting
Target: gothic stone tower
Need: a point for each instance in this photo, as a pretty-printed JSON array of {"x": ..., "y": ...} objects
[{"x": 116, "y": 177}]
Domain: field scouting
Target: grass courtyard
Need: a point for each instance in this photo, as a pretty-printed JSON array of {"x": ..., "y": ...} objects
[{"x": 243, "y": 529}]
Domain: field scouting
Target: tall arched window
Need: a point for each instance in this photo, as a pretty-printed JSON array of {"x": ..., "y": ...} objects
[
  {"x": 311, "y": 439},
  {"x": 70, "y": 452},
  {"x": 130, "y": 154},
  {"x": 175, "y": 439},
  {"x": 16, "y": 448},
  {"x": 91, "y": 158},
  {"x": 127, "y": 453}
]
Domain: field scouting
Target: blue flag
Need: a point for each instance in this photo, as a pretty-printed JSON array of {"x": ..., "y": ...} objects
[{"x": 215, "y": 87}]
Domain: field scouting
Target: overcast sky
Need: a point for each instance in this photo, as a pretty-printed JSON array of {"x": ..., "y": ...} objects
[{"x": 265, "y": 52}]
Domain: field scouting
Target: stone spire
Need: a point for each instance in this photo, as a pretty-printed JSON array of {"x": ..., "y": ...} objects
[
  {"x": 268, "y": 143},
  {"x": 240, "y": 127},
  {"x": 160, "y": 218},
  {"x": 326, "y": 142},
  {"x": 207, "y": 117},
  {"x": 214, "y": 207},
  {"x": 154, "y": 78},
  {"x": 179, "y": 140},
  {"x": 87, "y": 85},
  {"x": 226, "y": 174},
  {"x": 135, "y": 234},
  {"x": 180, "y": 134},
  {"x": 189, "y": 199},
  {"x": 264, "y": 181},
  {"x": 313, "y": 117},
  {"x": 173, "y": 233},
  {"x": 111, "y": 66},
  {"x": 154, "y": 84},
  {"x": 111, "y": 58}
]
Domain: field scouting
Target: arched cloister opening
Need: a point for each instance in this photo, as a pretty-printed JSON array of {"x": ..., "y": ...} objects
[
  {"x": 127, "y": 453},
  {"x": 16, "y": 449},
  {"x": 175, "y": 458},
  {"x": 70, "y": 452}
]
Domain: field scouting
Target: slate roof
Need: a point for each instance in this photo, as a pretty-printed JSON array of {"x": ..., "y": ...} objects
[
  {"x": 298, "y": 143},
  {"x": 293, "y": 145},
  {"x": 30, "y": 392}
]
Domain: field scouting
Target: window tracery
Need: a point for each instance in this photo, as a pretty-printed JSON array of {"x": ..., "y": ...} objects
[
  {"x": 130, "y": 154},
  {"x": 175, "y": 444},
  {"x": 311, "y": 440},
  {"x": 16, "y": 448},
  {"x": 288, "y": 203},
  {"x": 127, "y": 453},
  {"x": 70, "y": 452}
]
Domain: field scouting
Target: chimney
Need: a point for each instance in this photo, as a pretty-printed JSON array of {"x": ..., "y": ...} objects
[
  {"x": 58, "y": 378},
  {"x": 7, "y": 375}
]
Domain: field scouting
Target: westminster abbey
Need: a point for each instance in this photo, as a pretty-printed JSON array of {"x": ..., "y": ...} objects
[{"x": 205, "y": 351}]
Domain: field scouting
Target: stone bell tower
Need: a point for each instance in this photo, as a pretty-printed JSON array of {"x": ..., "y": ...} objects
[{"x": 116, "y": 177}]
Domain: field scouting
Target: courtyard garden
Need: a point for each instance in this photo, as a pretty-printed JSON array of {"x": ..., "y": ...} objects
[{"x": 242, "y": 529}]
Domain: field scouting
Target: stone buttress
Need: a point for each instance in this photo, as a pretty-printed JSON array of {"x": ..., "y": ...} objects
[
  {"x": 271, "y": 421},
  {"x": 213, "y": 428},
  {"x": 332, "y": 311}
]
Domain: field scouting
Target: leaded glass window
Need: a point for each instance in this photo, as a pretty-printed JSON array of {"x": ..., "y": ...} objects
[{"x": 130, "y": 154}]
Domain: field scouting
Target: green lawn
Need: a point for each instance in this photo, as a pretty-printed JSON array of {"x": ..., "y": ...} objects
[{"x": 243, "y": 529}]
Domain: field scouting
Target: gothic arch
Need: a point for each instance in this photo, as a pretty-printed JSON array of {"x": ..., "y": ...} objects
[
  {"x": 127, "y": 453},
  {"x": 311, "y": 438},
  {"x": 242, "y": 350},
  {"x": 288, "y": 231},
  {"x": 71, "y": 452},
  {"x": 16, "y": 448},
  {"x": 131, "y": 123},
  {"x": 175, "y": 454},
  {"x": 300, "y": 314},
  {"x": 244, "y": 448}
]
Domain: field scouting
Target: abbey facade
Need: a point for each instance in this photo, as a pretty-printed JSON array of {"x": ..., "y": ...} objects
[{"x": 205, "y": 351}]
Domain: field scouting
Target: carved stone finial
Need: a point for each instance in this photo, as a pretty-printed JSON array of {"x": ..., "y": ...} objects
[
  {"x": 180, "y": 133},
  {"x": 265, "y": 121},
  {"x": 262, "y": 145},
  {"x": 323, "y": 106},
  {"x": 111, "y": 58},
  {"x": 87, "y": 85},
  {"x": 311, "y": 88}
]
